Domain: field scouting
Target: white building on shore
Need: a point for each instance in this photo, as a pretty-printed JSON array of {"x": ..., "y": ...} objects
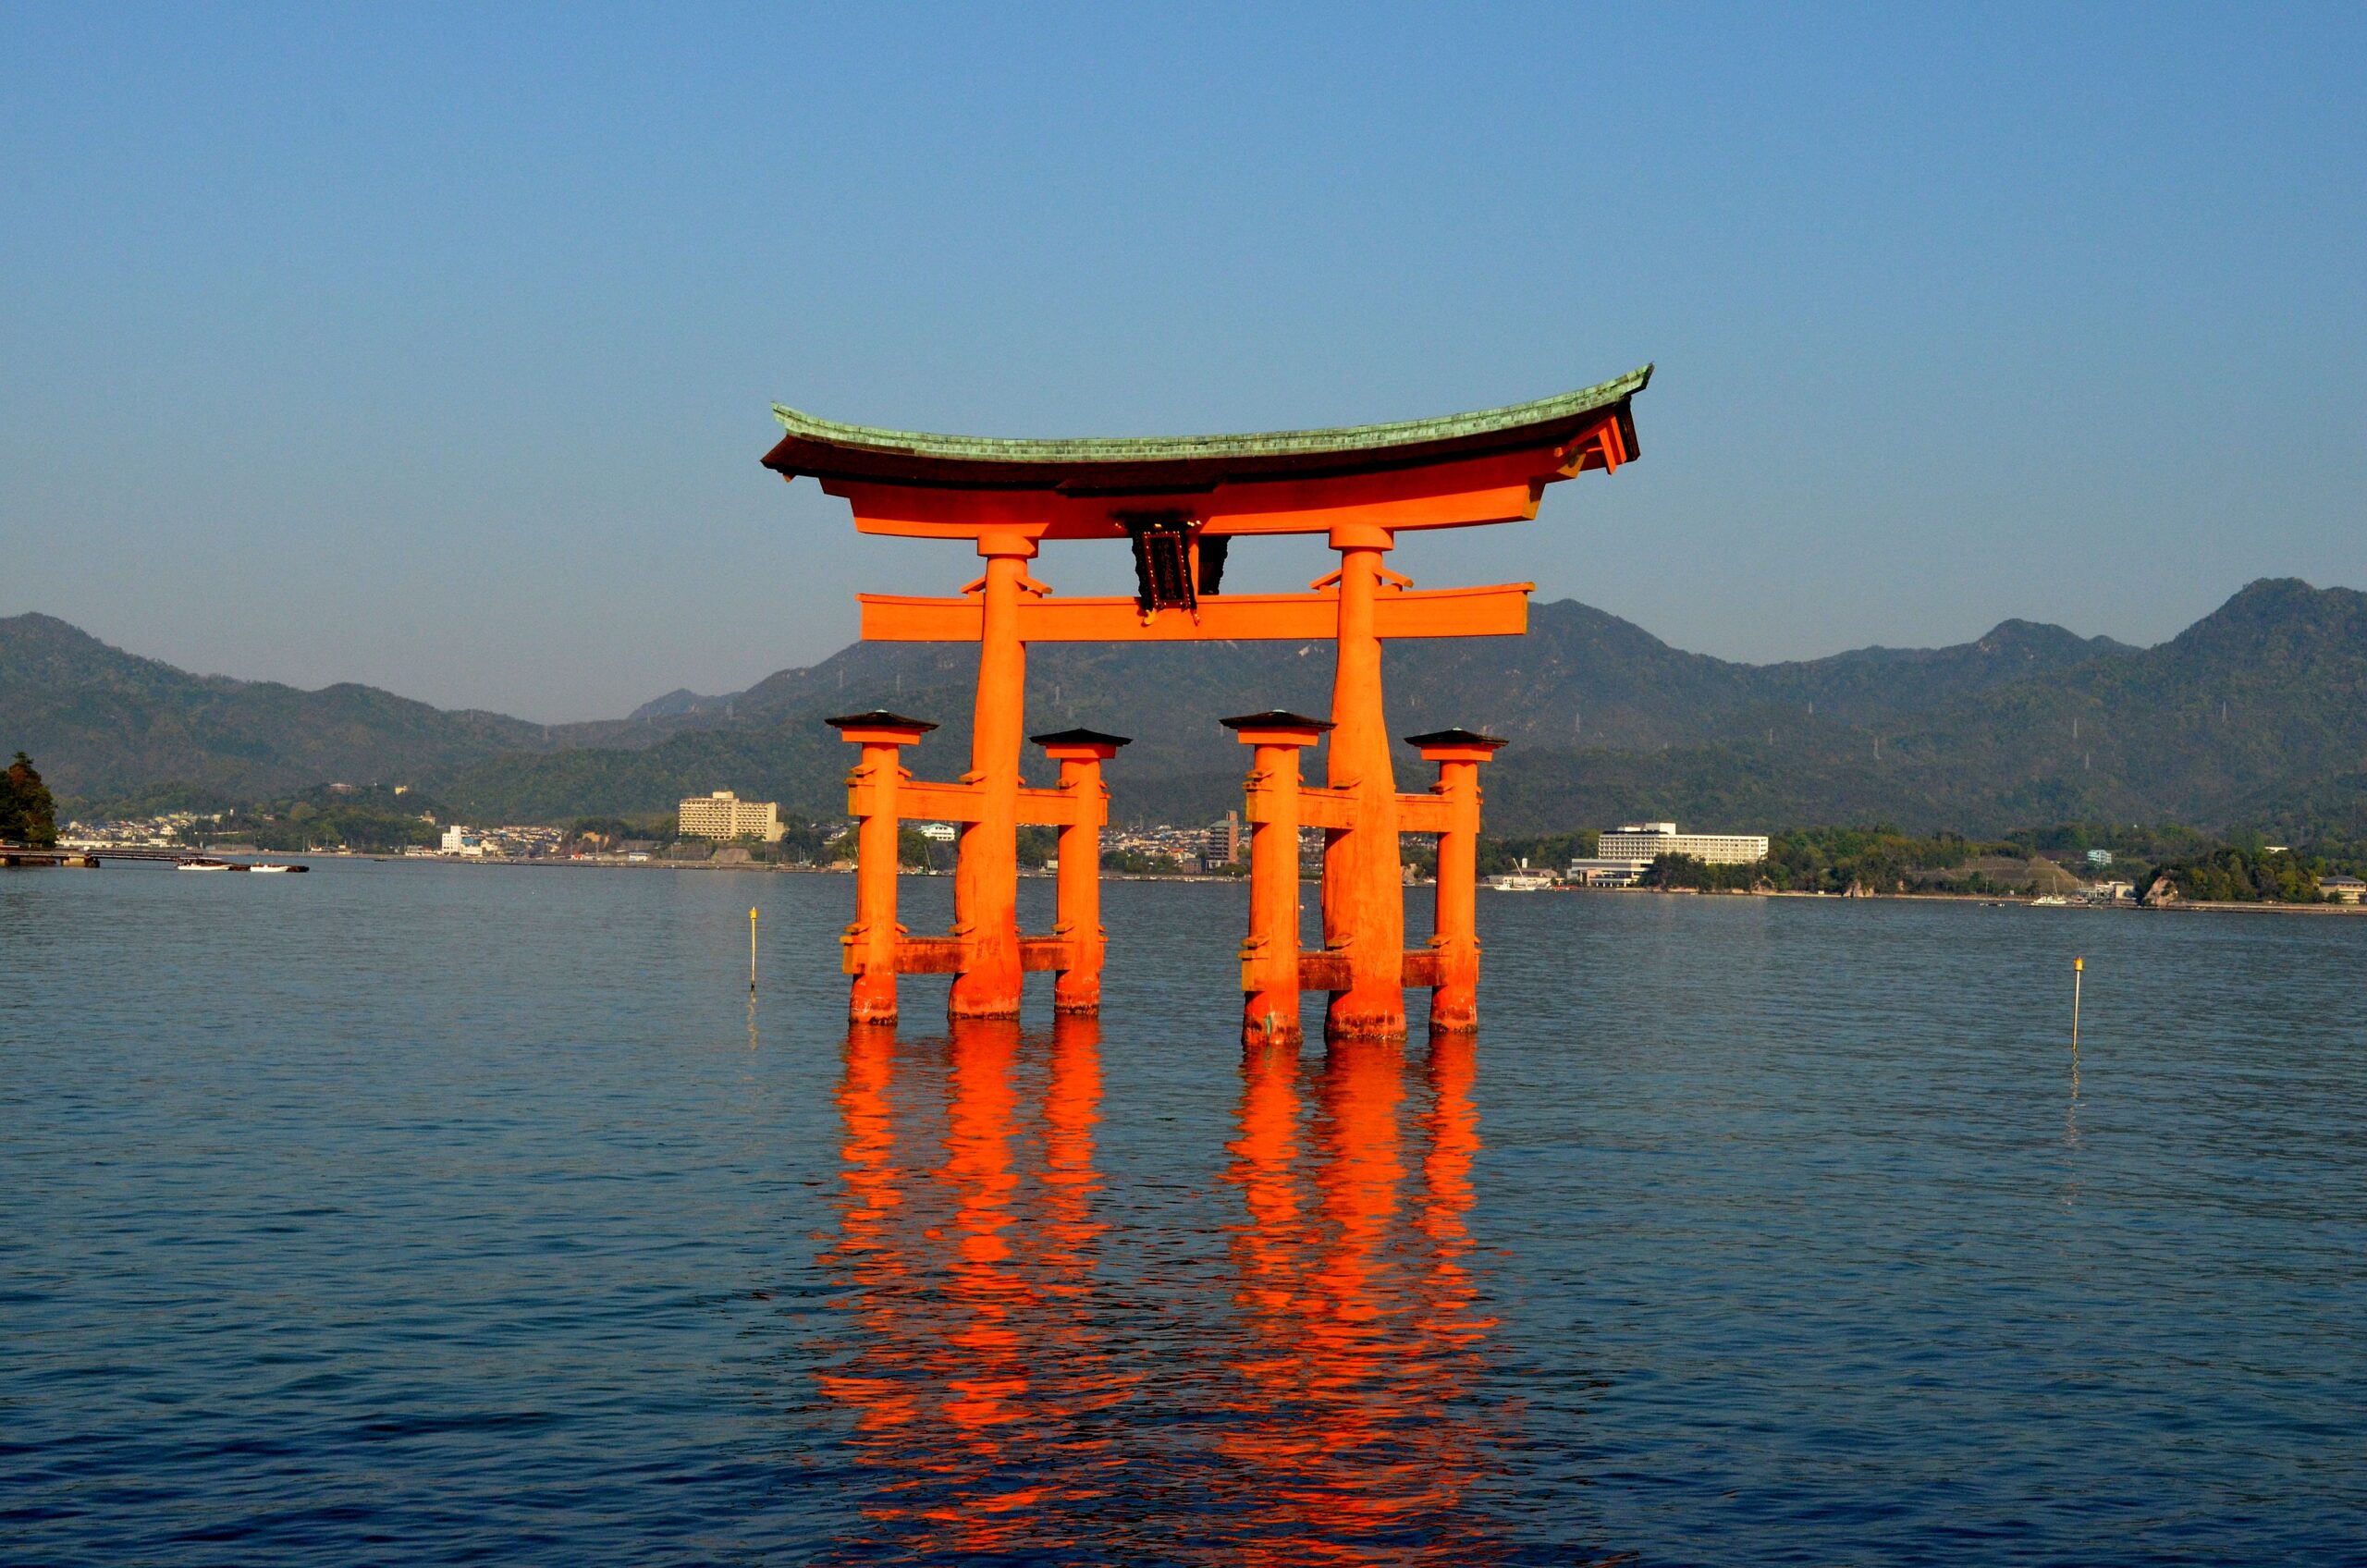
[
  {"x": 1623, "y": 853},
  {"x": 725, "y": 815}
]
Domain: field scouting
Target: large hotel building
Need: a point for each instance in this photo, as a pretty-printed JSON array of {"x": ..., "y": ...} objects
[
  {"x": 1622, "y": 852},
  {"x": 725, "y": 815}
]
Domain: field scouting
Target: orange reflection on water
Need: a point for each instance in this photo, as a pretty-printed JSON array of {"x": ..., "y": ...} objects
[
  {"x": 1309, "y": 1403},
  {"x": 1349, "y": 1444},
  {"x": 867, "y": 1245},
  {"x": 1449, "y": 1294},
  {"x": 975, "y": 1362}
]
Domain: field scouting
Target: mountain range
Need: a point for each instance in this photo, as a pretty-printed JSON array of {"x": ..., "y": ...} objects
[{"x": 2255, "y": 715}]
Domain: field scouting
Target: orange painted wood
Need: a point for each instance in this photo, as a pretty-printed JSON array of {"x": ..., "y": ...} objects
[
  {"x": 942, "y": 955},
  {"x": 1046, "y": 954},
  {"x": 1087, "y": 806},
  {"x": 1420, "y": 967},
  {"x": 1323, "y": 971},
  {"x": 986, "y": 877},
  {"x": 1493, "y": 487},
  {"x": 1496, "y": 610},
  {"x": 1310, "y": 806},
  {"x": 928, "y": 955},
  {"x": 1363, "y": 900},
  {"x": 1076, "y": 987},
  {"x": 1424, "y": 813},
  {"x": 868, "y": 948},
  {"x": 1269, "y": 957},
  {"x": 924, "y": 800},
  {"x": 1454, "y": 977}
]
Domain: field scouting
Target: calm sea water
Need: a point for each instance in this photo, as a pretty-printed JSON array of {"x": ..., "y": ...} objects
[{"x": 409, "y": 1213}]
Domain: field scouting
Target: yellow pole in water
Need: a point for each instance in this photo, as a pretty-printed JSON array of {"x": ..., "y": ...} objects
[
  {"x": 2078, "y": 966},
  {"x": 752, "y": 961}
]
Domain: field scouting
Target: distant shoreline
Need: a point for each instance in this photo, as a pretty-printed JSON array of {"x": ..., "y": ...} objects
[
  {"x": 2181, "y": 905},
  {"x": 2125, "y": 907}
]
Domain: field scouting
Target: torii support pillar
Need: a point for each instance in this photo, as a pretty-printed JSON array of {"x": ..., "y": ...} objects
[
  {"x": 869, "y": 945},
  {"x": 985, "y": 877},
  {"x": 1076, "y": 988},
  {"x": 1269, "y": 958},
  {"x": 1455, "y": 940},
  {"x": 1364, "y": 881}
]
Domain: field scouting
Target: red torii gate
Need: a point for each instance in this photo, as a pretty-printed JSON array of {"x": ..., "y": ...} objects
[{"x": 1179, "y": 502}]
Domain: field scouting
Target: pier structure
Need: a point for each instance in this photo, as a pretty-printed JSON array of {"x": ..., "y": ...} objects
[{"x": 1180, "y": 504}]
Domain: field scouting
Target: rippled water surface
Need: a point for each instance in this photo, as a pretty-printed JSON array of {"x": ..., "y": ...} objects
[{"x": 430, "y": 1213}]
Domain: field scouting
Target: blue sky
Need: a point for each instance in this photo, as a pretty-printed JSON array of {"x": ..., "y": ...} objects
[{"x": 434, "y": 347}]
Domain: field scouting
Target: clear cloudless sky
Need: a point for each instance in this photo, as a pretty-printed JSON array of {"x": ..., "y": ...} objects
[{"x": 433, "y": 346}]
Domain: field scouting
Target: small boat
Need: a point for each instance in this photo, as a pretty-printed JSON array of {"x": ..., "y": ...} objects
[
  {"x": 2050, "y": 900},
  {"x": 1520, "y": 881},
  {"x": 203, "y": 864},
  {"x": 260, "y": 870}
]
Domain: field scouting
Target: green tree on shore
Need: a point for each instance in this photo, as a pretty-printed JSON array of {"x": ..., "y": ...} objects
[
  {"x": 28, "y": 814},
  {"x": 2231, "y": 875}
]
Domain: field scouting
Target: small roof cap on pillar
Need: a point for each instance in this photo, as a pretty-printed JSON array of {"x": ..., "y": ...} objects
[
  {"x": 1277, "y": 724},
  {"x": 1274, "y": 718},
  {"x": 1081, "y": 738},
  {"x": 879, "y": 724},
  {"x": 1075, "y": 745},
  {"x": 1456, "y": 745},
  {"x": 1457, "y": 737}
]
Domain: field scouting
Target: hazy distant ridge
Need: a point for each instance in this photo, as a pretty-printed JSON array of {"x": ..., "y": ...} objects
[{"x": 2256, "y": 710}]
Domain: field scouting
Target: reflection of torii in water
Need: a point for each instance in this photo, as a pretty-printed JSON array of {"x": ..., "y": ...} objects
[
  {"x": 1349, "y": 1437},
  {"x": 1180, "y": 503},
  {"x": 975, "y": 1378},
  {"x": 1003, "y": 1394}
]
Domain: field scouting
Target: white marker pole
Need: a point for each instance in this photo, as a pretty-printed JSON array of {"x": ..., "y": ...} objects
[
  {"x": 752, "y": 961},
  {"x": 2079, "y": 965}
]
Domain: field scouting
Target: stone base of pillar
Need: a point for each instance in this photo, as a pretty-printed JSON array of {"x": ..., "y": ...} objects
[
  {"x": 1455, "y": 1012},
  {"x": 1265, "y": 1022},
  {"x": 872, "y": 1000},
  {"x": 1351, "y": 1017},
  {"x": 984, "y": 1003}
]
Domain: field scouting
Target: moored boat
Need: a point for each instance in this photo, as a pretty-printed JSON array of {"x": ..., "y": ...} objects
[{"x": 1522, "y": 880}]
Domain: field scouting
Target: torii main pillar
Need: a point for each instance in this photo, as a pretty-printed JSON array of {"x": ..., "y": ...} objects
[
  {"x": 985, "y": 877},
  {"x": 1364, "y": 879}
]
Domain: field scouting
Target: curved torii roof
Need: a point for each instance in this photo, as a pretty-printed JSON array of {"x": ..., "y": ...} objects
[{"x": 839, "y": 454}]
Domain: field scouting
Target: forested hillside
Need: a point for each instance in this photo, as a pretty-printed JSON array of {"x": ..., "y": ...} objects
[
  {"x": 2256, "y": 714},
  {"x": 2255, "y": 710}
]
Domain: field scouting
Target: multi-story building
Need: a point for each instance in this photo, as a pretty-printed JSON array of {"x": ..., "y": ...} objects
[
  {"x": 1649, "y": 840},
  {"x": 1623, "y": 853},
  {"x": 725, "y": 815},
  {"x": 1220, "y": 845}
]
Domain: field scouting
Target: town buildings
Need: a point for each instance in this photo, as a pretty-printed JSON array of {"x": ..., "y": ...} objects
[{"x": 725, "y": 815}]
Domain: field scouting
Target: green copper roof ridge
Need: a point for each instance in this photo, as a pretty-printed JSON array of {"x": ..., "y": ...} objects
[{"x": 1353, "y": 437}]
